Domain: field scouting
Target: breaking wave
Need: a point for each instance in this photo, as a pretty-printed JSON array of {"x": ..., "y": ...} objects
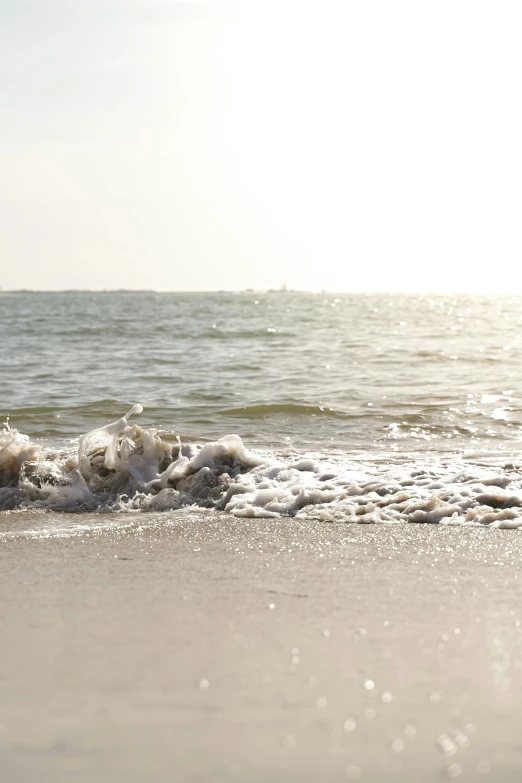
[{"x": 124, "y": 467}]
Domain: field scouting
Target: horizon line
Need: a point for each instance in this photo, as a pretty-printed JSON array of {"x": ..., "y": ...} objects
[{"x": 252, "y": 291}]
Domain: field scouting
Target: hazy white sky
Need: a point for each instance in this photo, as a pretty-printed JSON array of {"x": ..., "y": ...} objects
[{"x": 349, "y": 145}]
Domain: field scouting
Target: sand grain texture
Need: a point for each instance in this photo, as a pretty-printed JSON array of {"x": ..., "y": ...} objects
[{"x": 205, "y": 648}]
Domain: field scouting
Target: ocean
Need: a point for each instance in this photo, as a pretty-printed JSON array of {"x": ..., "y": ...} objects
[{"x": 350, "y": 407}]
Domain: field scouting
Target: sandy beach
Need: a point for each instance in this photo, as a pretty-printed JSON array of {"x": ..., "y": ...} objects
[{"x": 206, "y": 648}]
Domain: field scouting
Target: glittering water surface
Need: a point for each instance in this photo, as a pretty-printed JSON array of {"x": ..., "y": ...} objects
[
  {"x": 281, "y": 369},
  {"x": 363, "y": 407}
]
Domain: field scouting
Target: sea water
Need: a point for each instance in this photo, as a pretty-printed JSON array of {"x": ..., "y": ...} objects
[{"x": 349, "y": 407}]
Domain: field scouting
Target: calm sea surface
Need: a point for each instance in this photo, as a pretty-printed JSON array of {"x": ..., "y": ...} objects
[{"x": 304, "y": 371}]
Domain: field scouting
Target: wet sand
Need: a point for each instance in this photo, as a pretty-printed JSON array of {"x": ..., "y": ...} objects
[{"x": 215, "y": 649}]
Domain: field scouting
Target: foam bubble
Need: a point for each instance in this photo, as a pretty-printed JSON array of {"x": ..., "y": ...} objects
[{"x": 124, "y": 467}]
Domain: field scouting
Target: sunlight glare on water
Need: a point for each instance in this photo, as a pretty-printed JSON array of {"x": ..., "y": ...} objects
[
  {"x": 309, "y": 371},
  {"x": 263, "y": 405}
]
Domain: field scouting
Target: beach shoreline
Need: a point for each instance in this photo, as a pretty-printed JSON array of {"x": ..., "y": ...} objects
[{"x": 203, "y": 647}]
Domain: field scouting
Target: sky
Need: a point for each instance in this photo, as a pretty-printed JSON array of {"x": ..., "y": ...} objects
[{"x": 344, "y": 145}]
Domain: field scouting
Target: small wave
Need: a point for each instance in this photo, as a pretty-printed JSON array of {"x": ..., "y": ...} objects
[
  {"x": 122, "y": 467},
  {"x": 268, "y": 332},
  {"x": 288, "y": 409}
]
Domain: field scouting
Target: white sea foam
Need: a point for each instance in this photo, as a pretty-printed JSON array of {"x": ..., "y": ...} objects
[
  {"x": 15, "y": 450},
  {"x": 123, "y": 467}
]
